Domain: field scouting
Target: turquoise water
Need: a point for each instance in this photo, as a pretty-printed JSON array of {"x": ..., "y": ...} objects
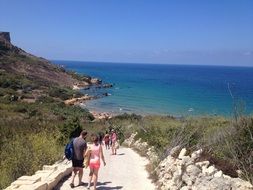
[{"x": 169, "y": 89}]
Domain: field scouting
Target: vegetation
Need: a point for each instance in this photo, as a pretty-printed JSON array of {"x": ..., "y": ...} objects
[
  {"x": 35, "y": 124},
  {"x": 63, "y": 93},
  {"x": 34, "y": 133},
  {"x": 227, "y": 143},
  {"x": 80, "y": 77}
]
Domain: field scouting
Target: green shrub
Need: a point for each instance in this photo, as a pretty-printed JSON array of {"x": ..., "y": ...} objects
[
  {"x": 62, "y": 93},
  {"x": 70, "y": 129},
  {"x": 26, "y": 153},
  {"x": 239, "y": 146}
]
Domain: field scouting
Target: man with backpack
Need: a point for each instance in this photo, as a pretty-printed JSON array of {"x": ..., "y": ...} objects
[{"x": 79, "y": 147}]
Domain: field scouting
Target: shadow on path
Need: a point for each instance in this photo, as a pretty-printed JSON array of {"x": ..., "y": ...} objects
[
  {"x": 61, "y": 182},
  {"x": 104, "y": 183},
  {"x": 103, "y": 186},
  {"x": 109, "y": 188},
  {"x": 121, "y": 154}
]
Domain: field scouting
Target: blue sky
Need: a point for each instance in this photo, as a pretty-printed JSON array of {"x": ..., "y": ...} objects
[{"x": 208, "y": 32}]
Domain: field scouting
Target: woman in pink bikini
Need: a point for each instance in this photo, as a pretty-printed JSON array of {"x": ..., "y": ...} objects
[{"x": 96, "y": 152}]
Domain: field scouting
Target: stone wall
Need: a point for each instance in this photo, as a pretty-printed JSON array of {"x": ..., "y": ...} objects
[
  {"x": 184, "y": 173},
  {"x": 45, "y": 179},
  {"x": 179, "y": 171},
  {"x": 142, "y": 147}
]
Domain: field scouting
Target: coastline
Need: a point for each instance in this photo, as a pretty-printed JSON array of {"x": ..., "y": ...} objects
[
  {"x": 169, "y": 89},
  {"x": 107, "y": 114},
  {"x": 93, "y": 106},
  {"x": 125, "y": 96},
  {"x": 121, "y": 110},
  {"x": 102, "y": 113}
]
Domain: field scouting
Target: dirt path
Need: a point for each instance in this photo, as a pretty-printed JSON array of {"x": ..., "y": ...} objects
[{"x": 125, "y": 171}]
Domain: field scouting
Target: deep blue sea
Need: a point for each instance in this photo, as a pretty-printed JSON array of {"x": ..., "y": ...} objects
[{"x": 179, "y": 90}]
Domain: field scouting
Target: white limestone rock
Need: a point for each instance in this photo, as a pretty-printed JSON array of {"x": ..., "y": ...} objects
[
  {"x": 226, "y": 176},
  {"x": 48, "y": 167},
  {"x": 177, "y": 177},
  {"x": 187, "y": 179},
  {"x": 170, "y": 185},
  {"x": 208, "y": 171},
  {"x": 199, "y": 152},
  {"x": 194, "y": 156},
  {"x": 240, "y": 184},
  {"x": 27, "y": 180},
  {"x": 129, "y": 142},
  {"x": 168, "y": 175},
  {"x": 36, "y": 186},
  {"x": 187, "y": 160},
  {"x": 182, "y": 153},
  {"x": 185, "y": 188},
  {"x": 192, "y": 170},
  {"x": 211, "y": 184},
  {"x": 174, "y": 151},
  {"x": 163, "y": 163},
  {"x": 218, "y": 174},
  {"x": 203, "y": 163}
]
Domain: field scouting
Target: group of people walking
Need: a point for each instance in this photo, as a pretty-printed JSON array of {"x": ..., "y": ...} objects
[
  {"x": 91, "y": 156},
  {"x": 110, "y": 140}
]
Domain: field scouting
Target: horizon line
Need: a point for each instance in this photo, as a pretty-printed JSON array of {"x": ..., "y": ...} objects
[{"x": 142, "y": 63}]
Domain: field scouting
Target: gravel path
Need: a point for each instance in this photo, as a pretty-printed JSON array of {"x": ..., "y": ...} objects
[{"x": 124, "y": 171}]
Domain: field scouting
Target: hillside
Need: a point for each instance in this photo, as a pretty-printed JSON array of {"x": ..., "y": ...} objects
[
  {"x": 16, "y": 61},
  {"x": 35, "y": 124}
]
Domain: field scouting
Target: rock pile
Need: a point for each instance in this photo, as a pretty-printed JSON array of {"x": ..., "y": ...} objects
[
  {"x": 179, "y": 171},
  {"x": 129, "y": 141},
  {"x": 45, "y": 179},
  {"x": 142, "y": 147},
  {"x": 101, "y": 115},
  {"x": 184, "y": 173}
]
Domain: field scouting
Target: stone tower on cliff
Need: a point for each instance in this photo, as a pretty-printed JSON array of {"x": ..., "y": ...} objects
[
  {"x": 5, "y": 36},
  {"x": 5, "y": 41}
]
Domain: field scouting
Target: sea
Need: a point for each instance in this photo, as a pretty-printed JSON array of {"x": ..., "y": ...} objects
[{"x": 178, "y": 90}]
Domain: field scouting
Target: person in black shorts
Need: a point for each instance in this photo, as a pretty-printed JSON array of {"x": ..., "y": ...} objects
[{"x": 80, "y": 147}]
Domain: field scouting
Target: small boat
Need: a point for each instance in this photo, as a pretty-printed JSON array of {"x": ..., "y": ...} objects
[{"x": 190, "y": 109}]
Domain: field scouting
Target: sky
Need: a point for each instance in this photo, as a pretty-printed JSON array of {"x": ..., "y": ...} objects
[{"x": 201, "y": 32}]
